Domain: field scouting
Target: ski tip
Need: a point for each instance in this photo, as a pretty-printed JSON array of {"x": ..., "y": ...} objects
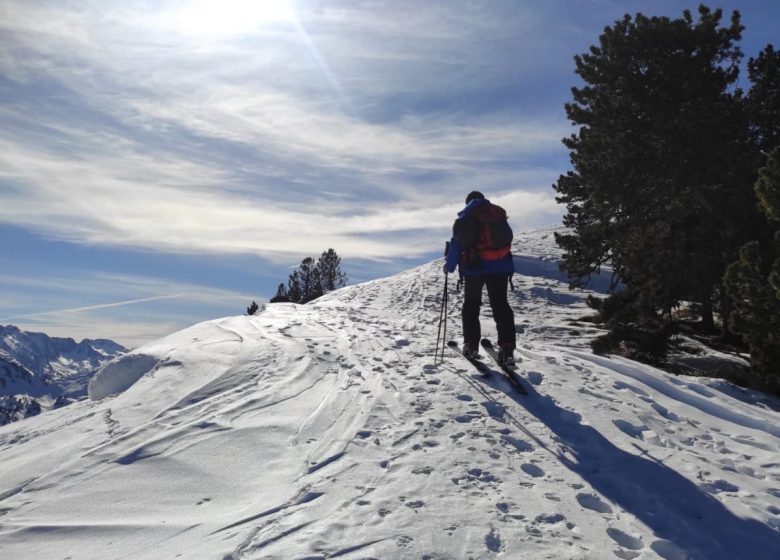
[
  {"x": 452, "y": 344},
  {"x": 486, "y": 343}
]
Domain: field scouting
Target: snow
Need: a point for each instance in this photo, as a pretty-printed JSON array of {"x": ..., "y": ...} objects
[
  {"x": 119, "y": 374},
  {"x": 326, "y": 431}
]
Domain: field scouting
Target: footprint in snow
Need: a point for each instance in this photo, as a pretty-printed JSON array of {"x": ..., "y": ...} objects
[
  {"x": 415, "y": 505},
  {"x": 532, "y": 470},
  {"x": 494, "y": 409},
  {"x": 663, "y": 411},
  {"x": 629, "y": 429},
  {"x": 625, "y": 540},
  {"x": 719, "y": 486},
  {"x": 535, "y": 378},
  {"x": 468, "y": 417},
  {"x": 519, "y": 444},
  {"x": 403, "y": 541},
  {"x": 550, "y": 518},
  {"x": 593, "y": 502},
  {"x": 669, "y": 551},
  {"x": 493, "y": 541}
]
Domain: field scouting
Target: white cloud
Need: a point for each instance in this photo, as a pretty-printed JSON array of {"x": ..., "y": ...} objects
[
  {"x": 141, "y": 200},
  {"x": 196, "y": 145}
]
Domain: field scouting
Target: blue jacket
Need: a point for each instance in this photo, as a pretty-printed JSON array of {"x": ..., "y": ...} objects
[{"x": 504, "y": 265}]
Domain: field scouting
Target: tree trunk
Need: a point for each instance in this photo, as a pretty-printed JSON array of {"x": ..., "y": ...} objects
[{"x": 707, "y": 318}]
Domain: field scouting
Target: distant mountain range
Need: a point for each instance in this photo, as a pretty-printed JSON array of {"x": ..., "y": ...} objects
[{"x": 39, "y": 372}]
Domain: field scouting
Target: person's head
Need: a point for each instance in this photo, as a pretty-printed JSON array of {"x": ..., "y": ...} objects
[{"x": 473, "y": 195}]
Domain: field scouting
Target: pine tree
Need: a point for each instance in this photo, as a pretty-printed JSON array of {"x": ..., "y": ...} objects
[
  {"x": 764, "y": 98},
  {"x": 294, "y": 291},
  {"x": 654, "y": 161},
  {"x": 754, "y": 285},
  {"x": 252, "y": 309},
  {"x": 330, "y": 269},
  {"x": 310, "y": 280},
  {"x": 281, "y": 294}
]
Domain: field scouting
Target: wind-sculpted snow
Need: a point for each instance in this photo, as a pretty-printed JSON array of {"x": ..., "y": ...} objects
[
  {"x": 120, "y": 374},
  {"x": 327, "y": 431}
]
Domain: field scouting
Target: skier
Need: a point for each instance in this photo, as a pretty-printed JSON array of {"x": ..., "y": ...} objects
[{"x": 480, "y": 247}]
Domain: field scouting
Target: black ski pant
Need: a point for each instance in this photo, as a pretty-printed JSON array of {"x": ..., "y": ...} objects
[{"x": 502, "y": 314}]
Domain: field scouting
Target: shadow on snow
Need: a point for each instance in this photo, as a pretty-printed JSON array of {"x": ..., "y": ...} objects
[{"x": 673, "y": 507}]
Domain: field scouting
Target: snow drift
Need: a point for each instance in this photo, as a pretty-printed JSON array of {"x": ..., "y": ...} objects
[{"x": 119, "y": 374}]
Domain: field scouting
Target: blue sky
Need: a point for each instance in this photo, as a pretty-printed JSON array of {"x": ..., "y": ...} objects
[{"x": 168, "y": 162}]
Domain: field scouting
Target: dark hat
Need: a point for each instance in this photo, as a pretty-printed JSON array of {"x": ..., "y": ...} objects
[{"x": 474, "y": 195}]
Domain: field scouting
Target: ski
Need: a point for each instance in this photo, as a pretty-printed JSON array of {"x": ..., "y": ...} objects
[
  {"x": 511, "y": 374},
  {"x": 482, "y": 367}
]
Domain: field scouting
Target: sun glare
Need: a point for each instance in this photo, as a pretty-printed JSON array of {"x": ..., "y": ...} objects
[{"x": 231, "y": 17}]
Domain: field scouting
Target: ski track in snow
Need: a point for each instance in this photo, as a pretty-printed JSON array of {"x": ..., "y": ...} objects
[{"x": 327, "y": 431}]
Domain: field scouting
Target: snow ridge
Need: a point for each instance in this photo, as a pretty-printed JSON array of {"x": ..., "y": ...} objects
[{"x": 326, "y": 431}]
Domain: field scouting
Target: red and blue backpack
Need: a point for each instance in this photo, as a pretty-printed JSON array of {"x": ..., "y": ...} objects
[{"x": 484, "y": 233}]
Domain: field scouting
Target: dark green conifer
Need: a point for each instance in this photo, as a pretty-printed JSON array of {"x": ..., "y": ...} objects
[
  {"x": 753, "y": 283},
  {"x": 330, "y": 269},
  {"x": 764, "y": 98},
  {"x": 281, "y": 294},
  {"x": 658, "y": 191}
]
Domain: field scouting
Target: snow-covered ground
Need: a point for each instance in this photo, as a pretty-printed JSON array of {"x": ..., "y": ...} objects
[{"x": 327, "y": 431}]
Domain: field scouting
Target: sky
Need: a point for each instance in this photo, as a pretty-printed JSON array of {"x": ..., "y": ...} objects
[{"x": 168, "y": 162}]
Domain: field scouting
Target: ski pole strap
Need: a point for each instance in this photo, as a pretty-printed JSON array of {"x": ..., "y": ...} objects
[{"x": 511, "y": 284}]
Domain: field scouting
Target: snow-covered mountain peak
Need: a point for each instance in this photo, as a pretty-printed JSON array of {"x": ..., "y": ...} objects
[
  {"x": 327, "y": 431},
  {"x": 38, "y": 372}
]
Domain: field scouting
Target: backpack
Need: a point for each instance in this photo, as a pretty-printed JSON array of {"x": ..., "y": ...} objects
[{"x": 484, "y": 234}]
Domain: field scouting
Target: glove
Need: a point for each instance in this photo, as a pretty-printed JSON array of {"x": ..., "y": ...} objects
[{"x": 444, "y": 268}]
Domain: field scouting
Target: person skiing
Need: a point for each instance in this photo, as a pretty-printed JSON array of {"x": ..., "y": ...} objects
[{"x": 481, "y": 248}]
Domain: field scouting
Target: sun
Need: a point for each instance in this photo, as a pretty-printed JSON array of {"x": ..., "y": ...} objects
[{"x": 230, "y": 17}]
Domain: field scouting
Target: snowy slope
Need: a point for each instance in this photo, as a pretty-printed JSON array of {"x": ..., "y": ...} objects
[{"x": 326, "y": 431}]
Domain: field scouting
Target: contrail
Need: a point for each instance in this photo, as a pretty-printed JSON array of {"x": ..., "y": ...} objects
[{"x": 91, "y": 307}]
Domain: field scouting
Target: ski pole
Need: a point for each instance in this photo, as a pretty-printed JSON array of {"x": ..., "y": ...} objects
[
  {"x": 441, "y": 321},
  {"x": 442, "y": 313},
  {"x": 446, "y": 300}
]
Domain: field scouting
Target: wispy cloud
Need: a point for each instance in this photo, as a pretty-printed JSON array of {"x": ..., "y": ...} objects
[
  {"x": 93, "y": 307},
  {"x": 178, "y": 143},
  {"x": 156, "y": 307}
]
